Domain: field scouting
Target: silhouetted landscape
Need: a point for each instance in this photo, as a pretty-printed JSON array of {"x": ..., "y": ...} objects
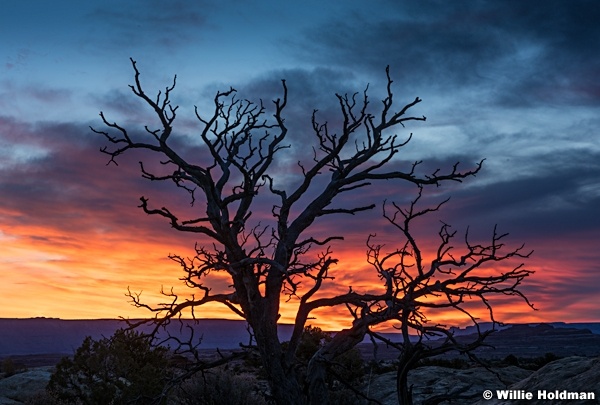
[
  {"x": 524, "y": 340},
  {"x": 43, "y": 341},
  {"x": 522, "y": 356}
]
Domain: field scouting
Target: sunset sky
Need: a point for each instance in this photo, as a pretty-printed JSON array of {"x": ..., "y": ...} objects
[{"x": 514, "y": 82}]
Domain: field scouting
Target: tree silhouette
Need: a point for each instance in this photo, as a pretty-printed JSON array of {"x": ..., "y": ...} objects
[
  {"x": 447, "y": 281},
  {"x": 268, "y": 263}
]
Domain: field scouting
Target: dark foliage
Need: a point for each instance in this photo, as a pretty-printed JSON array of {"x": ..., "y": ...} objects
[
  {"x": 533, "y": 363},
  {"x": 8, "y": 367},
  {"x": 219, "y": 387},
  {"x": 455, "y": 363},
  {"x": 348, "y": 367},
  {"x": 122, "y": 369},
  {"x": 511, "y": 360}
]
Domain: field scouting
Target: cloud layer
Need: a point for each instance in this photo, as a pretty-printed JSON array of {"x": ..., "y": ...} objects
[{"x": 513, "y": 84}]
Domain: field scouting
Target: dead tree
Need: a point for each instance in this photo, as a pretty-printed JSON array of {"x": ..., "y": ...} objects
[
  {"x": 416, "y": 288},
  {"x": 266, "y": 263}
]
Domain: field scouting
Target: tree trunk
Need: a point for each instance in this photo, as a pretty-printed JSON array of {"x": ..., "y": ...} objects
[
  {"x": 404, "y": 391},
  {"x": 315, "y": 376},
  {"x": 343, "y": 341},
  {"x": 285, "y": 386},
  {"x": 407, "y": 361}
]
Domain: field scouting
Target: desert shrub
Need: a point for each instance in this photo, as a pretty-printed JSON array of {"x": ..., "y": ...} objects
[
  {"x": 545, "y": 359},
  {"x": 48, "y": 398},
  {"x": 345, "y": 397},
  {"x": 8, "y": 367},
  {"x": 511, "y": 360},
  {"x": 535, "y": 363},
  {"x": 253, "y": 362},
  {"x": 381, "y": 366},
  {"x": 346, "y": 369},
  {"x": 123, "y": 369},
  {"x": 312, "y": 339},
  {"x": 349, "y": 366},
  {"x": 455, "y": 363},
  {"x": 219, "y": 387}
]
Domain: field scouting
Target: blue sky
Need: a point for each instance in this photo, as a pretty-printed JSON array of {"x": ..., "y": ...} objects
[{"x": 513, "y": 82}]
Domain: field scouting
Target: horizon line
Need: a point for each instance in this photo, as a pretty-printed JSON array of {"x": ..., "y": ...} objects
[{"x": 242, "y": 320}]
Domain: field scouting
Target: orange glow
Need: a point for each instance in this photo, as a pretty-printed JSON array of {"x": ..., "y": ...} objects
[
  {"x": 72, "y": 276},
  {"x": 515, "y": 86}
]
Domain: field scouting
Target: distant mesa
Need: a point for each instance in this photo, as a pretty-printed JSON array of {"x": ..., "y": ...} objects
[{"x": 42, "y": 335}]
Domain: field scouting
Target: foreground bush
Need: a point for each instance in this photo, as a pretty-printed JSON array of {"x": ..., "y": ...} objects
[
  {"x": 219, "y": 387},
  {"x": 530, "y": 363},
  {"x": 8, "y": 367},
  {"x": 123, "y": 369},
  {"x": 348, "y": 367},
  {"x": 456, "y": 363}
]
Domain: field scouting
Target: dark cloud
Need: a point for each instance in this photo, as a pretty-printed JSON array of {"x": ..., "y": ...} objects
[
  {"x": 149, "y": 23},
  {"x": 122, "y": 103},
  {"x": 19, "y": 60},
  {"x": 70, "y": 188},
  {"x": 563, "y": 195},
  {"x": 308, "y": 90},
  {"x": 307, "y": 87},
  {"x": 21, "y": 98},
  {"x": 525, "y": 54}
]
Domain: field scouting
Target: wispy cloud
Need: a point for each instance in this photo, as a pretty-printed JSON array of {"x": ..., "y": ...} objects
[{"x": 511, "y": 83}]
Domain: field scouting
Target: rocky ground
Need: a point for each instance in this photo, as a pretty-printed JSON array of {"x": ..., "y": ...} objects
[
  {"x": 578, "y": 370},
  {"x": 20, "y": 387},
  {"x": 436, "y": 381},
  {"x": 579, "y": 374},
  {"x": 574, "y": 374},
  {"x": 518, "y": 340}
]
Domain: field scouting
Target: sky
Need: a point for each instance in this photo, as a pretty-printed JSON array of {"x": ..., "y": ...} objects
[{"x": 513, "y": 82}]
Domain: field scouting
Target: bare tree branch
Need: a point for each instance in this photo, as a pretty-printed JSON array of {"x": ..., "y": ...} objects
[{"x": 268, "y": 262}]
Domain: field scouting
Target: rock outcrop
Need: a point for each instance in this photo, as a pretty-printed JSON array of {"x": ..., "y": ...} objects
[
  {"x": 20, "y": 387},
  {"x": 442, "y": 382},
  {"x": 571, "y": 374}
]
